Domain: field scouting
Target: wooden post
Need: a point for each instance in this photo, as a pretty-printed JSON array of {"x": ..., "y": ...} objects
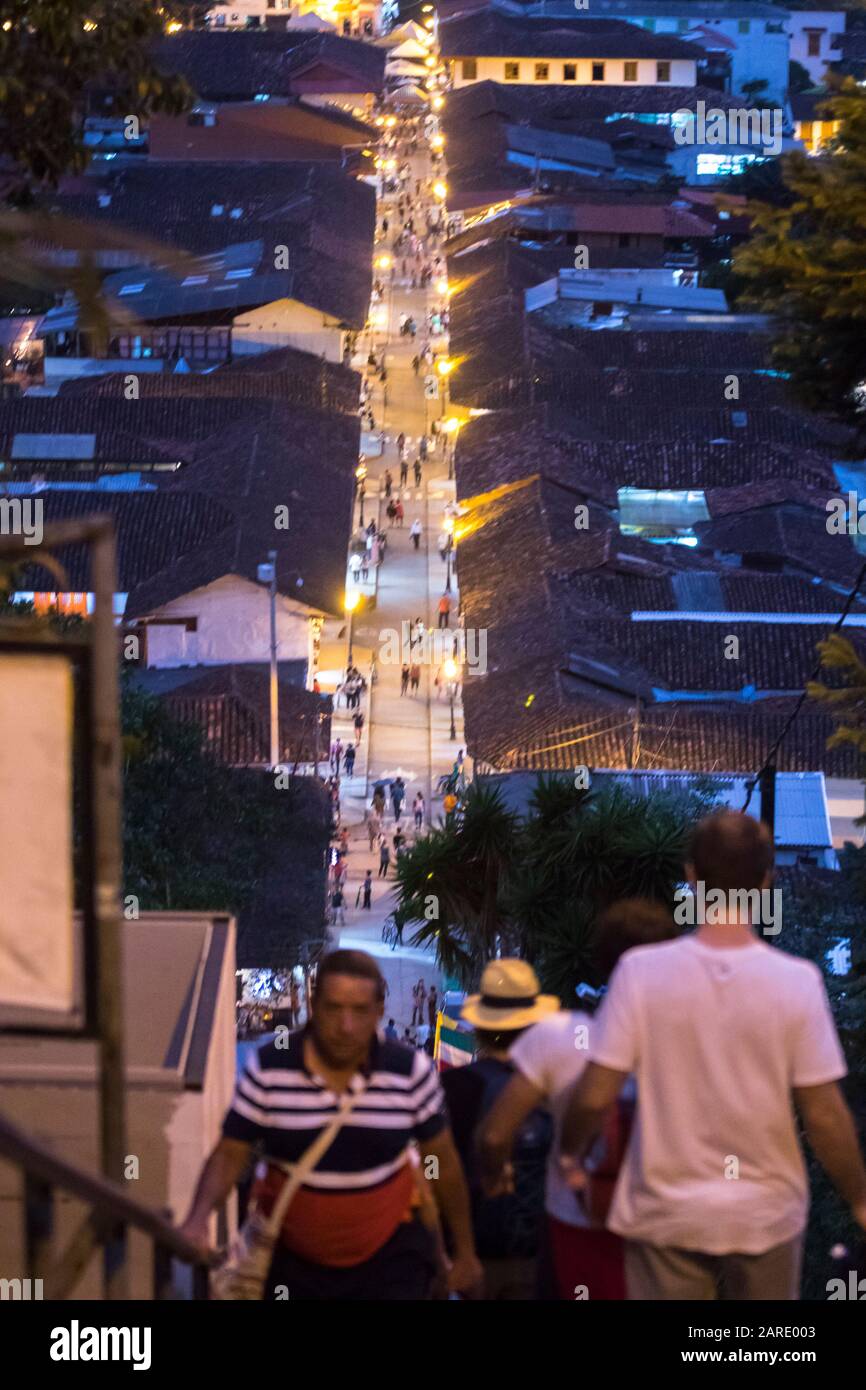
[{"x": 767, "y": 785}]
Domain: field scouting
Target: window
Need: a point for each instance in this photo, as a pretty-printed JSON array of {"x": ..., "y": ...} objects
[
  {"x": 469, "y": 69},
  {"x": 512, "y": 72},
  {"x": 629, "y": 72},
  {"x": 542, "y": 72},
  {"x": 663, "y": 72},
  {"x": 743, "y": 26},
  {"x": 814, "y": 49},
  {"x": 569, "y": 72},
  {"x": 598, "y": 72}
]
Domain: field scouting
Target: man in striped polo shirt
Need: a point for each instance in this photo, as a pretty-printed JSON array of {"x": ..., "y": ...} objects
[{"x": 351, "y": 1232}]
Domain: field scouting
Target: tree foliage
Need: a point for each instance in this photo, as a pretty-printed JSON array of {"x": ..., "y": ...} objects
[
  {"x": 806, "y": 264},
  {"x": 197, "y": 835},
  {"x": 535, "y": 886},
  {"x": 53, "y": 53},
  {"x": 845, "y": 699}
]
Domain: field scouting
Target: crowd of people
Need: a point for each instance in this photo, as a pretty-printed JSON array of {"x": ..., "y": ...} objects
[{"x": 648, "y": 1149}]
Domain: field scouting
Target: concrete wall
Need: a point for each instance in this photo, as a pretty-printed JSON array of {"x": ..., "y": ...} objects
[
  {"x": 233, "y": 625},
  {"x": 823, "y": 23},
  {"x": 683, "y": 72},
  {"x": 846, "y": 800},
  {"x": 287, "y": 323}
]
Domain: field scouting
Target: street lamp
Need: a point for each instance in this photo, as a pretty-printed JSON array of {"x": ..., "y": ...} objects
[
  {"x": 360, "y": 482},
  {"x": 353, "y": 598},
  {"x": 267, "y": 574},
  {"x": 445, "y": 366},
  {"x": 440, "y": 189},
  {"x": 449, "y": 527},
  {"x": 451, "y": 426},
  {"x": 451, "y": 670}
]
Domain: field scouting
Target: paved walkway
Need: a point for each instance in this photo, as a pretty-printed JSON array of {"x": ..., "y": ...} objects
[{"x": 405, "y": 735}]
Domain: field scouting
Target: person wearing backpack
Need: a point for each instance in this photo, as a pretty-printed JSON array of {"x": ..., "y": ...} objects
[
  {"x": 507, "y": 1226},
  {"x": 579, "y": 1258}
]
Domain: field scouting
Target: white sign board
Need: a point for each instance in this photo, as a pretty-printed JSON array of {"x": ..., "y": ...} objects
[{"x": 37, "y": 945}]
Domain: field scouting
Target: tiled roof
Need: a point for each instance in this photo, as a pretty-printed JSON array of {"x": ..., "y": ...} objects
[
  {"x": 202, "y": 207},
  {"x": 247, "y": 458},
  {"x": 555, "y": 103},
  {"x": 788, "y": 532},
  {"x": 286, "y": 374},
  {"x": 231, "y": 705},
  {"x": 489, "y": 33},
  {"x": 239, "y": 66}
]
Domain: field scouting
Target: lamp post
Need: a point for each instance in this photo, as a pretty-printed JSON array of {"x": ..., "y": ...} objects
[
  {"x": 451, "y": 671},
  {"x": 352, "y": 600},
  {"x": 267, "y": 574},
  {"x": 449, "y": 527},
  {"x": 360, "y": 483},
  {"x": 444, "y": 367}
]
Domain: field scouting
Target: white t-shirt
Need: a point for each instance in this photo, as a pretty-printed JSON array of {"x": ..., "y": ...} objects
[
  {"x": 552, "y": 1055},
  {"x": 716, "y": 1039}
]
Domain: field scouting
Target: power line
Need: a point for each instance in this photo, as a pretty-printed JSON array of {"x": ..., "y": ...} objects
[{"x": 816, "y": 671}]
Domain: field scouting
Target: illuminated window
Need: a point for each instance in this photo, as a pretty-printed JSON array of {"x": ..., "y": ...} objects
[
  {"x": 814, "y": 49},
  {"x": 569, "y": 72},
  {"x": 629, "y": 72},
  {"x": 469, "y": 69},
  {"x": 663, "y": 72},
  {"x": 598, "y": 72},
  {"x": 542, "y": 72},
  {"x": 512, "y": 72}
]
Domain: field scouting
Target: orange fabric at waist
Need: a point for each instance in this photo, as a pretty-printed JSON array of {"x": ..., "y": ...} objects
[{"x": 340, "y": 1229}]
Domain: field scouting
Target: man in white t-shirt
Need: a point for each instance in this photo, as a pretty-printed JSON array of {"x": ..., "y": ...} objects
[{"x": 728, "y": 1037}]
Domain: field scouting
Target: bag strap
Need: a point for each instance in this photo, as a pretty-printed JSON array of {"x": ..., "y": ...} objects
[{"x": 301, "y": 1170}]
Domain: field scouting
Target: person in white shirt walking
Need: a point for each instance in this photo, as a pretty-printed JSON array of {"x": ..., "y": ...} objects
[{"x": 728, "y": 1039}]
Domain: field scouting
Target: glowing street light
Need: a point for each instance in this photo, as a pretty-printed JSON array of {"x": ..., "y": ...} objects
[
  {"x": 451, "y": 671},
  {"x": 442, "y": 286},
  {"x": 383, "y": 262},
  {"x": 440, "y": 189},
  {"x": 437, "y": 142},
  {"x": 353, "y": 598},
  {"x": 445, "y": 366},
  {"x": 437, "y": 103}
]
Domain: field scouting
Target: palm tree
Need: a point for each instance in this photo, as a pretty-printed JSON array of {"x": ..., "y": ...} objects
[
  {"x": 450, "y": 883},
  {"x": 535, "y": 886}
]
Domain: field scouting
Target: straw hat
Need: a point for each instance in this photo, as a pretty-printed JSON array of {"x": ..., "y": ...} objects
[{"x": 509, "y": 998}]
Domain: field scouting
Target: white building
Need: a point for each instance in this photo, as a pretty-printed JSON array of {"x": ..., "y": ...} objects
[{"x": 814, "y": 39}]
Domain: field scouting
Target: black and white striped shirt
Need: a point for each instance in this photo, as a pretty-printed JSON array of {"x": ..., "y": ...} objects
[{"x": 282, "y": 1106}]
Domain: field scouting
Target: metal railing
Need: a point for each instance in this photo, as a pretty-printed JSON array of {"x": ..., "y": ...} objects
[{"x": 105, "y": 1228}]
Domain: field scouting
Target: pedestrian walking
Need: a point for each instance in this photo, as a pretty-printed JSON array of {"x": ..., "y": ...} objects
[
  {"x": 399, "y": 512},
  {"x": 391, "y": 512},
  {"x": 404, "y": 680},
  {"x": 418, "y": 811},
  {"x": 508, "y": 1224},
  {"x": 723, "y": 1074},
  {"x": 432, "y": 1006},
  {"x": 336, "y": 755},
  {"x": 358, "y": 722},
  {"x": 389, "y": 482},
  {"x": 415, "y": 532},
  {"x": 422, "y": 448},
  {"x": 416, "y": 363},
  {"x": 546, "y": 1066},
  {"x": 443, "y": 541},
  {"x": 414, "y": 677},
  {"x": 348, "y": 1235},
  {"x": 355, "y": 566},
  {"x": 417, "y": 468},
  {"x": 365, "y": 890},
  {"x": 374, "y": 827},
  {"x": 350, "y": 760},
  {"x": 338, "y": 908},
  {"x": 419, "y": 999},
  {"x": 401, "y": 444},
  {"x": 379, "y": 801},
  {"x": 398, "y": 792},
  {"x": 444, "y": 611},
  {"x": 384, "y": 857},
  {"x": 404, "y": 471}
]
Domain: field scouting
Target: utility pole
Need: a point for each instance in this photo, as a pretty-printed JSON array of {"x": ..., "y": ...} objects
[
  {"x": 635, "y": 735},
  {"x": 275, "y": 689},
  {"x": 767, "y": 787}
]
